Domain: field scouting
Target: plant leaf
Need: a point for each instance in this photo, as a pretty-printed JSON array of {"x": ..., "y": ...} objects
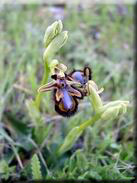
[{"x": 35, "y": 166}]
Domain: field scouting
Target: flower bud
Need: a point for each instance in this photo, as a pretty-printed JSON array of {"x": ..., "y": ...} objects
[
  {"x": 57, "y": 68},
  {"x": 70, "y": 140},
  {"x": 113, "y": 109},
  {"x": 53, "y": 65},
  {"x": 93, "y": 95},
  {"x": 121, "y": 103},
  {"x": 110, "y": 113},
  {"x": 62, "y": 67},
  {"x": 56, "y": 44},
  {"x": 59, "y": 27},
  {"x": 52, "y": 31}
]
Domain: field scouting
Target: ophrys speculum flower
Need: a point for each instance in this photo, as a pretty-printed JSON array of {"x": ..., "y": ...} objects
[{"x": 65, "y": 95}]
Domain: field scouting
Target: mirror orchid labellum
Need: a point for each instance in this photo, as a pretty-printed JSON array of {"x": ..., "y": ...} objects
[
  {"x": 82, "y": 77},
  {"x": 65, "y": 95},
  {"x": 67, "y": 89}
]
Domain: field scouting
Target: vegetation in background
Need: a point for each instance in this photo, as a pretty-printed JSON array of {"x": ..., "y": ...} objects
[{"x": 102, "y": 37}]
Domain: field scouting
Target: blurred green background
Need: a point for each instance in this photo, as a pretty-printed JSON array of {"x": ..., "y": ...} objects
[{"x": 100, "y": 36}]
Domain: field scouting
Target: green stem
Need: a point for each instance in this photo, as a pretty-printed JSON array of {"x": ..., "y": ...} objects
[
  {"x": 44, "y": 81},
  {"x": 89, "y": 122},
  {"x": 75, "y": 133}
]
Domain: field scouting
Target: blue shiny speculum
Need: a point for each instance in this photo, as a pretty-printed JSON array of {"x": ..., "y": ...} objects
[
  {"x": 79, "y": 76},
  {"x": 67, "y": 100},
  {"x": 67, "y": 105},
  {"x": 82, "y": 77},
  {"x": 66, "y": 91}
]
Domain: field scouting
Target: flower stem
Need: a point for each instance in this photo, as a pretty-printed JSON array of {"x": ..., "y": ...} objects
[
  {"x": 75, "y": 133},
  {"x": 44, "y": 81},
  {"x": 89, "y": 122}
]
